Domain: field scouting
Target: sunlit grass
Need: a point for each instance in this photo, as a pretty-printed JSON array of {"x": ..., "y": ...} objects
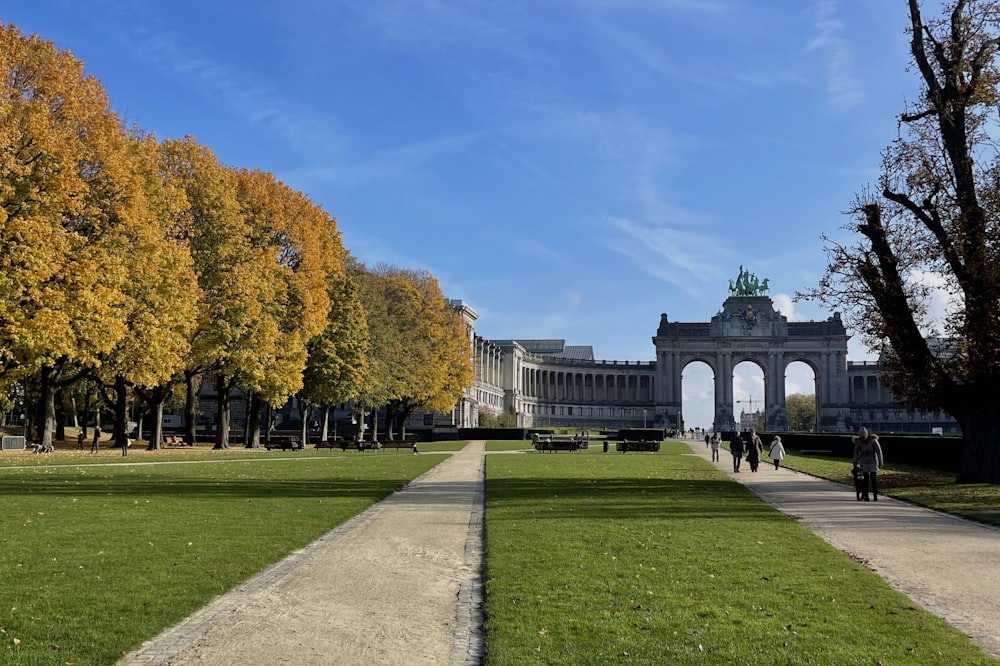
[
  {"x": 97, "y": 559},
  {"x": 661, "y": 559}
]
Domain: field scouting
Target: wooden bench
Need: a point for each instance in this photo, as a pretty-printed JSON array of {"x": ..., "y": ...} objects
[
  {"x": 335, "y": 443},
  {"x": 284, "y": 443},
  {"x": 399, "y": 444},
  {"x": 557, "y": 442},
  {"x": 357, "y": 446},
  {"x": 638, "y": 446}
]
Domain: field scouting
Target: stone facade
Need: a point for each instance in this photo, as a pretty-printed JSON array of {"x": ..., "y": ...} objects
[{"x": 548, "y": 383}]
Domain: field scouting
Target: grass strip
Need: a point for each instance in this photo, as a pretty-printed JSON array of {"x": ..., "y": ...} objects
[
  {"x": 659, "y": 558},
  {"x": 97, "y": 559}
]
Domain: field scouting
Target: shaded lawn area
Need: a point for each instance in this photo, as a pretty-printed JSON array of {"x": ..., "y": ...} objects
[
  {"x": 97, "y": 559},
  {"x": 655, "y": 559}
]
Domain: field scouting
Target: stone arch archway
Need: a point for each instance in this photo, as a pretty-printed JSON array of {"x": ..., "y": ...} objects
[{"x": 748, "y": 328}]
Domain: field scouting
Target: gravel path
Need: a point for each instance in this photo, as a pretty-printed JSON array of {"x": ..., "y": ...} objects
[
  {"x": 398, "y": 584},
  {"x": 949, "y": 565}
]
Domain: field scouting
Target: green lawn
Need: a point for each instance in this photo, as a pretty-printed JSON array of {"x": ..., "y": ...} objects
[
  {"x": 656, "y": 559},
  {"x": 591, "y": 559},
  {"x": 96, "y": 559}
]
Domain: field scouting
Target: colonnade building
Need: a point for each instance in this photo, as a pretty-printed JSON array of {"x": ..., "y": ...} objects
[{"x": 540, "y": 383}]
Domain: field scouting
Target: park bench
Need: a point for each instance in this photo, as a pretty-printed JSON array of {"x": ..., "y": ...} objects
[
  {"x": 284, "y": 443},
  {"x": 397, "y": 444},
  {"x": 330, "y": 443},
  {"x": 638, "y": 446},
  {"x": 558, "y": 442},
  {"x": 357, "y": 446}
]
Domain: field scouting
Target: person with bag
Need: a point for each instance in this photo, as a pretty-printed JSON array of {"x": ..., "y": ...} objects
[
  {"x": 777, "y": 452},
  {"x": 715, "y": 442},
  {"x": 868, "y": 455}
]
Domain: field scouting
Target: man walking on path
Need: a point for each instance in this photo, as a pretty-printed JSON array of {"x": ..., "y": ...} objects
[{"x": 945, "y": 563}]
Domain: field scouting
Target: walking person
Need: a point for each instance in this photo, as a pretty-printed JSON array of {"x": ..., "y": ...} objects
[
  {"x": 715, "y": 442},
  {"x": 736, "y": 448},
  {"x": 777, "y": 451},
  {"x": 97, "y": 439},
  {"x": 754, "y": 448},
  {"x": 80, "y": 438},
  {"x": 125, "y": 444},
  {"x": 868, "y": 455}
]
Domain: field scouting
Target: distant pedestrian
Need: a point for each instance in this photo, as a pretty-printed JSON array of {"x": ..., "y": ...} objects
[
  {"x": 126, "y": 442},
  {"x": 754, "y": 448},
  {"x": 97, "y": 439},
  {"x": 777, "y": 452},
  {"x": 868, "y": 455},
  {"x": 708, "y": 439},
  {"x": 715, "y": 441},
  {"x": 80, "y": 438},
  {"x": 736, "y": 448}
]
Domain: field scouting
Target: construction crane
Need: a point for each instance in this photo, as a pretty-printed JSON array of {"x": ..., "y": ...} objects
[{"x": 753, "y": 415}]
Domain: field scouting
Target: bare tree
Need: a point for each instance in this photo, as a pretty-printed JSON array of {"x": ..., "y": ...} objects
[{"x": 931, "y": 227}]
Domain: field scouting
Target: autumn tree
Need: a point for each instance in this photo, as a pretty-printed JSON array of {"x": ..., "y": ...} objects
[
  {"x": 69, "y": 201},
  {"x": 294, "y": 248},
  {"x": 338, "y": 357},
  {"x": 160, "y": 295},
  {"x": 218, "y": 241},
  {"x": 419, "y": 342},
  {"x": 933, "y": 224},
  {"x": 801, "y": 412}
]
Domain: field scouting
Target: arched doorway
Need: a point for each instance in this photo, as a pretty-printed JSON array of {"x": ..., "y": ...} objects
[
  {"x": 800, "y": 396},
  {"x": 698, "y": 395},
  {"x": 749, "y": 398}
]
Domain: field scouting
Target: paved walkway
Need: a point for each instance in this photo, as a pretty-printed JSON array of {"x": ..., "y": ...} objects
[
  {"x": 398, "y": 584},
  {"x": 949, "y": 565}
]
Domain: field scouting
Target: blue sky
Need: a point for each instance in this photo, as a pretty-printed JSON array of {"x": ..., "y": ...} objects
[{"x": 569, "y": 168}]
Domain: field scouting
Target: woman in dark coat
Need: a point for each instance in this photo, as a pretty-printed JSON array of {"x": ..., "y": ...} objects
[{"x": 754, "y": 448}]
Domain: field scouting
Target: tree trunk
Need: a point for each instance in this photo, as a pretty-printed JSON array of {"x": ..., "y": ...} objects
[
  {"x": 46, "y": 405},
  {"x": 60, "y": 414},
  {"x": 305, "y": 411},
  {"x": 190, "y": 405},
  {"x": 981, "y": 449},
  {"x": 222, "y": 385},
  {"x": 121, "y": 411},
  {"x": 324, "y": 426},
  {"x": 252, "y": 436},
  {"x": 157, "y": 396}
]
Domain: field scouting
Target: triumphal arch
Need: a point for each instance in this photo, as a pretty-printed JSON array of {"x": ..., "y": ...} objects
[{"x": 748, "y": 328}]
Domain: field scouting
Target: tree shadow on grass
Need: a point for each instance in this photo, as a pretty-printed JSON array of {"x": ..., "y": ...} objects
[{"x": 75, "y": 485}]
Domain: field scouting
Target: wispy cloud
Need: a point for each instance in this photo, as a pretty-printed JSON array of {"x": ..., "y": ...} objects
[
  {"x": 533, "y": 249},
  {"x": 684, "y": 258},
  {"x": 310, "y": 132},
  {"x": 843, "y": 89}
]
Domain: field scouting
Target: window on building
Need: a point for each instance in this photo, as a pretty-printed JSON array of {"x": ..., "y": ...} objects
[{"x": 428, "y": 419}]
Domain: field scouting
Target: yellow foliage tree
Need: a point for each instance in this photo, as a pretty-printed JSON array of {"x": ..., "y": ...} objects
[{"x": 68, "y": 202}]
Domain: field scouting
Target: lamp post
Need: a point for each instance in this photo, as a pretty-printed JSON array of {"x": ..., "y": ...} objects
[{"x": 644, "y": 419}]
